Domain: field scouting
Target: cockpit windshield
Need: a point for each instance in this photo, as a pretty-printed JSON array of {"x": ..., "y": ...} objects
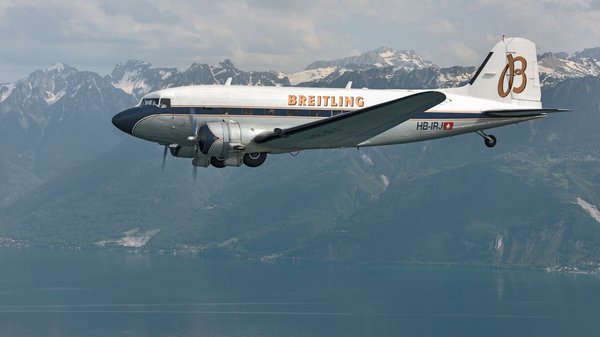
[
  {"x": 150, "y": 101},
  {"x": 159, "y": 102}
]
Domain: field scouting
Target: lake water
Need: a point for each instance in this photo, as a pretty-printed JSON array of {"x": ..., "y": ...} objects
[{"x": 76, "y": 293}]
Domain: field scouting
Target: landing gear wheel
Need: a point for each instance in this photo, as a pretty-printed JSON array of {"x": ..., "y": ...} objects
[
  {"x": 217, "y": 162},
  {"x": 255, "y": 159},
  {"x": 490, "y": 141}
]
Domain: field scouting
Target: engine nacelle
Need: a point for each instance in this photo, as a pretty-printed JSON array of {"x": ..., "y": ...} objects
[
  {"x": 219, "y": 144},
  {"x": 217, "y": 139}
]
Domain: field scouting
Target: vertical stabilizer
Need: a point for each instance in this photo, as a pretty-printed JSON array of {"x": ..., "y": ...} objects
[{"x": 509, "y": 74}]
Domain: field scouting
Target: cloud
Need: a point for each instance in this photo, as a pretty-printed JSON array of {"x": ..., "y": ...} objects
[
  {"x": 463, "y": 53},
  {"x": 277, "y": 35}
]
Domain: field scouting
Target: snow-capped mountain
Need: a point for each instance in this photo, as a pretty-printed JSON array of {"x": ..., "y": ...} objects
[
  {"x": 383, "y": 67},
  {"x": 226, "y": 69},
  {"x": 33, "y": 99},
  {"x": 56, "y": 117},
  {"x": 138, "y": 78},
  {"x": 555, "y": 67},
  {"x": 381, "y": 57},
  {"x": 389, "y": 60},
  {"x": 30, "y": 97},
  {"x": 380, "y": 68}
]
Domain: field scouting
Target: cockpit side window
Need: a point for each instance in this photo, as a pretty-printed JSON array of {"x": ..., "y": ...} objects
[{"x": 164, "y": 103}]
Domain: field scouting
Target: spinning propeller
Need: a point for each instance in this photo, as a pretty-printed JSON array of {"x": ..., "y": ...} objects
[{"x": 195, "y": 129}]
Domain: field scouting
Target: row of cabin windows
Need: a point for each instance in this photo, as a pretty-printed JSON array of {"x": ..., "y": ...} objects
[
  {"x": 275, "y": 112},
  {"x": 166, "y": 103}
]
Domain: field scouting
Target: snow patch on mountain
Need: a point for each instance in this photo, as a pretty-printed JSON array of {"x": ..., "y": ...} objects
[
  {"x": 385, "y": 181},
  {"x": 165, "y": 74},
  {"x": 57, "y": 67},
  {"x": 591, "y": 209},
  {"x": 130, "y": 82},
  {"x": 5, "y": 90},
  {"x": 132, "y": 75},
  {"x": 454, "y": 76},
  {"x": 52, "y": 97},
  {"x": 310, "y": 75}
]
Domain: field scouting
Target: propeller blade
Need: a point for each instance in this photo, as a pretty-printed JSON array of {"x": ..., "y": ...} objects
[
  {"x": 191, "y": 114},
  {"x": 195, "y": 129},
  {"x": 164, "y": 158},
  {"x": 195, "y": 168}
]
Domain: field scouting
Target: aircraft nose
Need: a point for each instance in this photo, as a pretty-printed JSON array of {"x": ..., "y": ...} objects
[
  {"x": 126, "y": 120},
  {"x": 120, "y": 121}
]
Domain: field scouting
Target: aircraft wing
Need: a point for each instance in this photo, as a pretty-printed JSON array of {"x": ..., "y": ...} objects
[{"x": 352, "y": 128}]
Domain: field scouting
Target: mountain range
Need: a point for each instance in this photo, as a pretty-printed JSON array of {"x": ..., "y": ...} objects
[{"x": 69, "y": 178}]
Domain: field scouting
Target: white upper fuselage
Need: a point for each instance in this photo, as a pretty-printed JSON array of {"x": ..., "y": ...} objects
[{"x": 262, "y": 109}]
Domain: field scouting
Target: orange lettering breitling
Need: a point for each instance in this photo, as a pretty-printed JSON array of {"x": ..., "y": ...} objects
[
  {"x": 326, "y": 101},
  {"x": 513, "y": 71}
]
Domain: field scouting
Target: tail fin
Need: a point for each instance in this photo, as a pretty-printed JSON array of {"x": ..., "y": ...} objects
[{"x": 509, "y": 74}]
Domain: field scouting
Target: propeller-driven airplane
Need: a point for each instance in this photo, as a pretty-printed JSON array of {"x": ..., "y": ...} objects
[{"x": 231, "y": 125}]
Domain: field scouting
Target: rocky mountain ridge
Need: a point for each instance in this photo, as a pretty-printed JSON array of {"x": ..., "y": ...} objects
[{"x": 385, "y": 64}]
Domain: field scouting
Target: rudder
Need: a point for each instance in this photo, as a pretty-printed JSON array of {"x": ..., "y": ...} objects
[{"x": 509, "y": 74}]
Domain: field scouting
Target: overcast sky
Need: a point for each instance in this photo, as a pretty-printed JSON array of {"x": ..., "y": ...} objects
[{"x": 277, "y": 35}]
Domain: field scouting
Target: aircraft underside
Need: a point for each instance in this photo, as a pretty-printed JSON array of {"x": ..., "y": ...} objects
[{"x": 233, "y": 145}]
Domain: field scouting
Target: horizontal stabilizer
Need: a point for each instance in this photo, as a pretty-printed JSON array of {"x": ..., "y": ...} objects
[
  {"x": 352, "y": 128},
  {"x": 521, "y": 112}
]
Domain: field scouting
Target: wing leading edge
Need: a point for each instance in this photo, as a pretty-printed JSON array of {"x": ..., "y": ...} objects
[{"x": 352, "y": 128}]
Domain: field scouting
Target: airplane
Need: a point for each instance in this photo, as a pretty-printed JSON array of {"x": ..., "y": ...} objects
[{"x": 231, "y": 125}]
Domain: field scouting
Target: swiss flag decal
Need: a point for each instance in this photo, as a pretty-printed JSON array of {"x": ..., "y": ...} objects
[{"x": 448, "y": 125}]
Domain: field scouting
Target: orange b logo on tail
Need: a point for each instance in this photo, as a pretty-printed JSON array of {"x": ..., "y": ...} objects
[{"x": 512, "y": 72}]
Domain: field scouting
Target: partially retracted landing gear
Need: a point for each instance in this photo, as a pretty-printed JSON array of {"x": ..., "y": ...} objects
[
  {"x": 490, "y": 140},
  {"x": 255, "y": 159},
  {"x": 216, "y": 162}
]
